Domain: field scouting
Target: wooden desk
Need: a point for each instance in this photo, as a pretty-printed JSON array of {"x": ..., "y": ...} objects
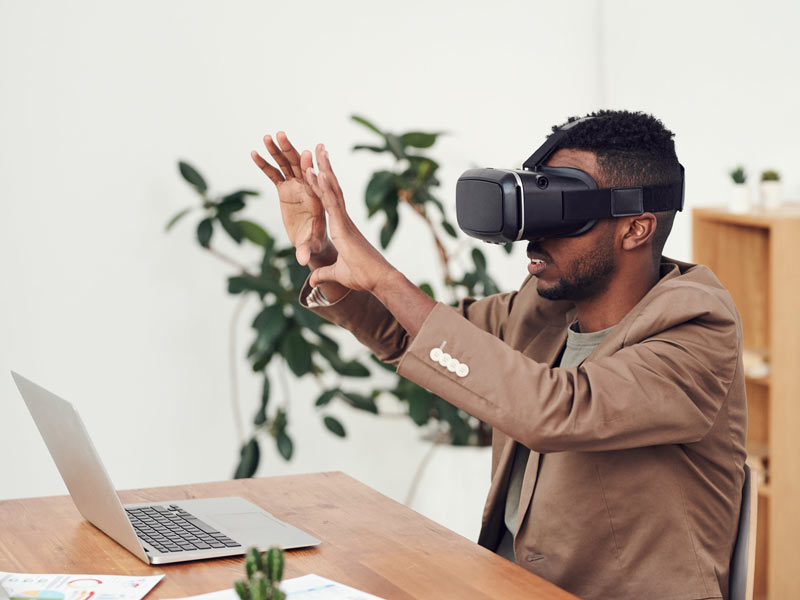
[{"x": 368, "y": 541}]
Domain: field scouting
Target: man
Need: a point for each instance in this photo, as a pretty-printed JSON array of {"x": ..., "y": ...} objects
[{"x": 612, "y": 378}]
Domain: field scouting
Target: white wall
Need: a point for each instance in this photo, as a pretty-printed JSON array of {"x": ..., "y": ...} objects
[
  {"x": 100, "y": 100},
  {"x": 722, "y": 76}
]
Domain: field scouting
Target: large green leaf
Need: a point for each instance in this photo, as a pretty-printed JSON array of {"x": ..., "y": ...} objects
[
  {"x": 451, "y": 231},
  {"x": 350, "y": 368},
  {"x": 250, "y": 283},
  {"x": 297, "y": 352},
  {"x": 231, "y": 227},
  {"x": 261, "y": 360},
  {"x": 298, "y": 274},
  {"x": 254, "y": 232},
  {"x": 248, "y": 460},
  {"x": 261, "y": 415},
  {"x": 267, "y": 337},
  {"x": 420, "y": 402},
  {"x": 205, "y": 230},
  {"x": 377, "y": 149},
  {"x": 239, "y": 195},
  {"x": 426, "y": 287},
  {"x": 326, "y": 396},
  {"x": 387, "y": 232},
  {"x": 284, "y": 444},
  {"x": 396, "y": 146},
  {"x": 479, "y": 259},
  {"x": 366, "y": 124},
  {"x": 178, "y": 217},
  {"x": 334, "y": 426},
  {"x": 191, "y": 175},
  {"x": 360, "y": 401},
  {"x": 379, "y": 188},
  {"x": 353, "y": 368},
  {"x": 308, "y": 319},
  {"x": 231, "y": 205},
  {"x": 419, "y": 139}
]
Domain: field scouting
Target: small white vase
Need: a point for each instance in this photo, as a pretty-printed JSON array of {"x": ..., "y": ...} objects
[
  {"x": 740, "y": 198},
  {"x": 771, "y": 194}
]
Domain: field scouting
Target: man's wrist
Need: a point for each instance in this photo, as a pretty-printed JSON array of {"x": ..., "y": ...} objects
[{"x": 388, "y": 283}]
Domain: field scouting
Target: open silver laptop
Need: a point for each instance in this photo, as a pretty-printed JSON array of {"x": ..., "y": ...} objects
[{"x": 157, "y": 532}]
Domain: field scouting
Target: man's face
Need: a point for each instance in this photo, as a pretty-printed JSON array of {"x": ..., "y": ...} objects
[{"x": 575, "y": 268}]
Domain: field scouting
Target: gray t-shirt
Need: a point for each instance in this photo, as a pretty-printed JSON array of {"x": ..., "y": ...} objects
[{"x": 579, "y": 346}]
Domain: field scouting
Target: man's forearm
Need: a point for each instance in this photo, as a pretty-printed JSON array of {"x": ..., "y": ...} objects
[{"x": 409, "y": 304}]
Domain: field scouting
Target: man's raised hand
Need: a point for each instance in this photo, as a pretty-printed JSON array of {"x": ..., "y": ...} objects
[
  {"x": 301, "y": 209},
  {"x": 359, "y": 265}
]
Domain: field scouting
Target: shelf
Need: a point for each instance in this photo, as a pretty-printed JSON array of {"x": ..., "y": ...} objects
[
  {"x": 754, "y": 218},
  {"x": 754, "y": 257},
  {"x": 763, "y": 381}
]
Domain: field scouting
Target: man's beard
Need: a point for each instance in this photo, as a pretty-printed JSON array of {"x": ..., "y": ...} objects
[{"x": 590, "y": 276}]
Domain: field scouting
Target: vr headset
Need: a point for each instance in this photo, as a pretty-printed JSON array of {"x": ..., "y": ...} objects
[{"x": 501, "y": 206}]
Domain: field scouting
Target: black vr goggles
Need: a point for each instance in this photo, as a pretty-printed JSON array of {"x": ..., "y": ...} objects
[{"x": 501, "y": 206}]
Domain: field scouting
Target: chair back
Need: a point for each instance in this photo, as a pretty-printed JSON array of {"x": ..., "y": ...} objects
[{"x": 743, "y": 560}]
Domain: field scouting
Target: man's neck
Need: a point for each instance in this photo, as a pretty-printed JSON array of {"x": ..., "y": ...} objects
[{"x": 610, "y": 306}]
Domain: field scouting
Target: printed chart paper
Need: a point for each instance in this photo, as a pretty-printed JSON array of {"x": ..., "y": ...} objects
[
  {"x": 77, "y": 587},
  {"x": 307, "y": 587}
]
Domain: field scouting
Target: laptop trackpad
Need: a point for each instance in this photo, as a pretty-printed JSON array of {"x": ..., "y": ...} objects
[{"x": 254, "y": 529}]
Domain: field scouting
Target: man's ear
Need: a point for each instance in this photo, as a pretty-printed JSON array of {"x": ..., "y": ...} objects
[{"x": 638, "y": 231}]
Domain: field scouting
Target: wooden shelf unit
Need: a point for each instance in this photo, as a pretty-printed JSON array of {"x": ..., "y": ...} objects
[{"x": 757, "y": 257}]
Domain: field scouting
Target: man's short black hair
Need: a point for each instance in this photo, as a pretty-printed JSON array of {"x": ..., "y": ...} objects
[{"x": 632, "y": 148}]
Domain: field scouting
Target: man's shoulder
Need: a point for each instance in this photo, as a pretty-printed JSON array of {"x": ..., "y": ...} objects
[
  {"x": 693, "y": 281},
  {"x": 685, "y": 293}
]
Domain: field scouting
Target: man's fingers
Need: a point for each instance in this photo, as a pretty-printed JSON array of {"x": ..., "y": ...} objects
[
  {"x": 303, "y": 254},
  {"x": 279, "y": 157},
  {"x": 324, "y": 165},
  {"x": 333, "y": 205},
  {"x": 313, "y": 183},
  {"x": 270, "y": 171},
  {"x": 322, "y": 275},
  {"x": 306, "y": 161},
  {"x": 290, "y": 153}
]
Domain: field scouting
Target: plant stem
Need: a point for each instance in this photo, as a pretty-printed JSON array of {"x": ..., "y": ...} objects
[
  {"x": 237, "y": 411},
  {"x": 412, "y": 490},
  {"x": 227, "y": 259},
  {"x": 444, "y": 258}
]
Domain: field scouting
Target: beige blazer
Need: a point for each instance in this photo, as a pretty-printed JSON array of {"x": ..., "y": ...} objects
[{"x": 637, "y": 486}]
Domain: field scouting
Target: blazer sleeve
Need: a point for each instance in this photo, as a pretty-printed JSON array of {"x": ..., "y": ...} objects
[
  {"x": 665, "y": 387},
  {"x": 375, "y": 327}
]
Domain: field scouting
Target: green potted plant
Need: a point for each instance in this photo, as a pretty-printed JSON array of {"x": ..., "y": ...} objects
[
  {"x": 286, "y": 335},
  {"x": 771, "y": 190},
  {"x": 263, "y": 574},
  {"x": 740, "y": 194}
]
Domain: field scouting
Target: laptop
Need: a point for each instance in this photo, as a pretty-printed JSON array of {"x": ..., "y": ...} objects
[{"x": 155, "y": 532}]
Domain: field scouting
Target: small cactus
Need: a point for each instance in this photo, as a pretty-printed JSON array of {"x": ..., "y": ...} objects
[
  {"x": 738, "y": 175},
  {"x": 770, "y": 176},
  {"x": 264, "y": 573}
]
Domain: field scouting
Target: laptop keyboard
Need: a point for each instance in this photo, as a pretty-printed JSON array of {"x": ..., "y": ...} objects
[{"x": 172, "y": 529}]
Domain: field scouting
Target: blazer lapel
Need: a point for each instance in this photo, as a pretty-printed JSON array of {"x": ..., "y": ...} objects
[
  {"x": 493, "y": 511},
  {"x": 552, "y": 353}
]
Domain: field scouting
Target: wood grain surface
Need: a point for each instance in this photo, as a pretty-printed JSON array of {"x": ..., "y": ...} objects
[{"x": 369, "y": 542}]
